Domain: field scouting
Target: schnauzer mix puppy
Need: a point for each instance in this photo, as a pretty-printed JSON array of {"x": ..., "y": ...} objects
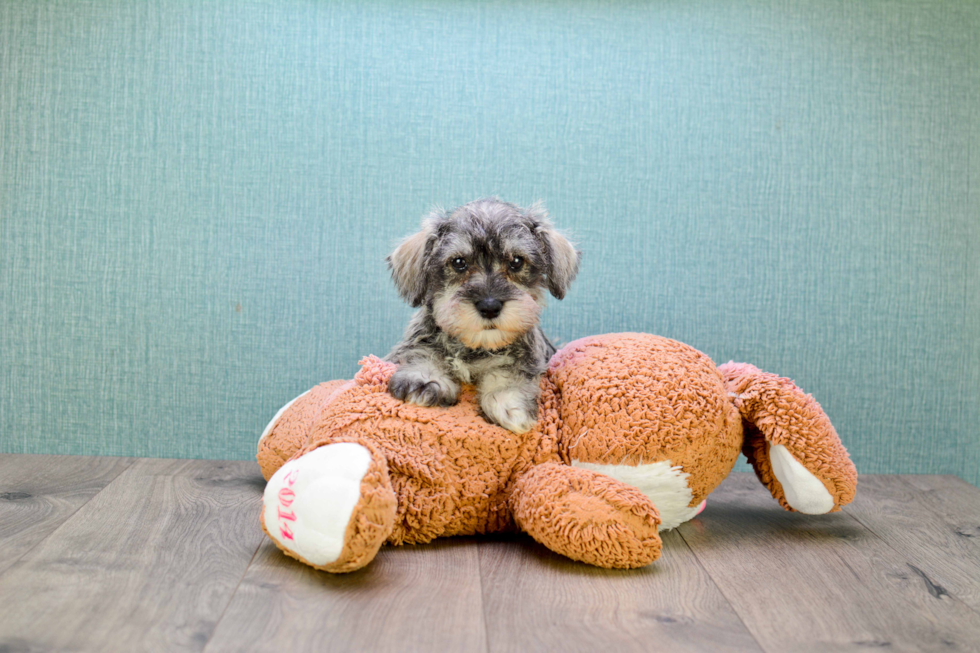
[{"x": 479, "y": 275}]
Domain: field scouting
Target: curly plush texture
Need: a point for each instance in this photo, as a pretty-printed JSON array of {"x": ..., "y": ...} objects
[
  {"x": 587, "y": 516},
  {"x": 639, "y": 399},
  {"x": 291, "y": 432},
  {"x": 638, "y": 402},
  {"x": 450, "y": 470}
]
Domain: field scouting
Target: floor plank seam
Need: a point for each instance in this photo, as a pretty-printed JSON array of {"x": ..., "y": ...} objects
[
  {"x": 231, "y": 597},
  {"x": 67, "y": 519},
  {"x": 720, "y": 590},
  {"x": 928, "y": 582},
  {"x": 483, "y": 602}
]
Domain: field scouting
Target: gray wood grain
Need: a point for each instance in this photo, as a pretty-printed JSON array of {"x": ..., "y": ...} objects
[
  {"x": 104, "y": 554},
  {"x": 410, "y": 598},
  {"x": 819, "y": 583},
  {"x": 150, "y": 563},
  {"x": 934, "y": 522},
  {"x": 536, "y": 600},
  {"x": 38, "y": 493}
]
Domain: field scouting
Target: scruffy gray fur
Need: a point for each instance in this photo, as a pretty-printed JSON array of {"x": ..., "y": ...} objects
[{"x": 478, "y": 275}]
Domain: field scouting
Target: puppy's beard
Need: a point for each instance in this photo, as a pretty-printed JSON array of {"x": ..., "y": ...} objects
[{"x": 461, "y": 320}]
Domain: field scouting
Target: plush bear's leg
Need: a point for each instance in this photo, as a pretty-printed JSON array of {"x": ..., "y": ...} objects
[
  {"x": 332, "y": 507},
  {"x": 289, "y": 430},
  {"x": 790, "y": 442},
  {"x": 587, "y": 516}
]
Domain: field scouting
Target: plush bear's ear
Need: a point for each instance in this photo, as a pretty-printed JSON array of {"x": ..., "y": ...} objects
[
  {"x": 408, "y": 263},
  {"x": 561, "y": 257}
]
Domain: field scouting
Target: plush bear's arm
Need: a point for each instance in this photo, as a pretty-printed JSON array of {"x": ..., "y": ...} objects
[
  {"x": 587, "y": 516},
  {"x": 790, "y": 442}
]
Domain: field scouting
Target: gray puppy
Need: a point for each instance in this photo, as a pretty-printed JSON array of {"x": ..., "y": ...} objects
[{"x": 479, "y": 274}]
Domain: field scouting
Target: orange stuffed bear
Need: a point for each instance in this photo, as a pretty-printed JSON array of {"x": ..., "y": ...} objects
[{"x": 634, "y": 432}]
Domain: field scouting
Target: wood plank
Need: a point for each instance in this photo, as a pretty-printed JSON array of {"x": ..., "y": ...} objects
[
  {"x": 149, "y": 563},
  {"x": 38, "y": 493},
  {"x": 410, "y": 598},
  {"x": 537, "y": 600},
  {"x": 819, "y": 583},
  {"x": 952, "y": 497},
  {"x": 934, "y": 522}
]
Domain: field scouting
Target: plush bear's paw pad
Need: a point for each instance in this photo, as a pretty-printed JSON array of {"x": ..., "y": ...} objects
[
  {"x": 803, "y": 491},
  {"x": 309, "y": 501}
]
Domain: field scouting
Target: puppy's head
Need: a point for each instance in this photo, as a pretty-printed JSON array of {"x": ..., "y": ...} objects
[{"x": 482, "y": 269}]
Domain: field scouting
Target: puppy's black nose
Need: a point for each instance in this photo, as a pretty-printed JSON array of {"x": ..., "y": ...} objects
[{"x": 489, "y": 307}]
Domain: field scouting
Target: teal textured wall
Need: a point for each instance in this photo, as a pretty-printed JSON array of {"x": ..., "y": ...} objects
[{"x": 196, "y": 199}]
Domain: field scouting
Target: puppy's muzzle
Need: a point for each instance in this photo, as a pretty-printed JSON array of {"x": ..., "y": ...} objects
[{"x": 489, "y": 307}]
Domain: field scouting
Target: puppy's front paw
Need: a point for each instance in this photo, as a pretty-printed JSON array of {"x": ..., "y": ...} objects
[
  {"x": 512, "y": 409},
  {"x": 423, "y": 388}
]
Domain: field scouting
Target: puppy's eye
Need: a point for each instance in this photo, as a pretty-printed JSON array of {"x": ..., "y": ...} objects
[
  {"x": 459, "y": 264},
  {"x": 516, "y": 264}
]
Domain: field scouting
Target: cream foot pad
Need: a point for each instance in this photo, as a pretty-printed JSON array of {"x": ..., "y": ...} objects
[{"x": 309, "y": 501}]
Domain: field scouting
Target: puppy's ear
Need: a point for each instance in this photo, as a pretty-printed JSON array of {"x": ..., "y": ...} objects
[
  {"x": 407, "y": 264},
  {"x": 561, "y": 257}
]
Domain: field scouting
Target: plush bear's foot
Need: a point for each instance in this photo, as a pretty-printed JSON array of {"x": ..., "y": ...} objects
[{"x": 331, "y": 508}]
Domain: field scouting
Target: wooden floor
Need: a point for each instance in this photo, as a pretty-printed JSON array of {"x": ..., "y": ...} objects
[{"x": 115, "y": 554}]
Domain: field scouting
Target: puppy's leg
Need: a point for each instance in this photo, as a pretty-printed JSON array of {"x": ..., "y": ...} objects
[
  {"x": 510, "y": 399},
  {"x": 423, "y": 381}
]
